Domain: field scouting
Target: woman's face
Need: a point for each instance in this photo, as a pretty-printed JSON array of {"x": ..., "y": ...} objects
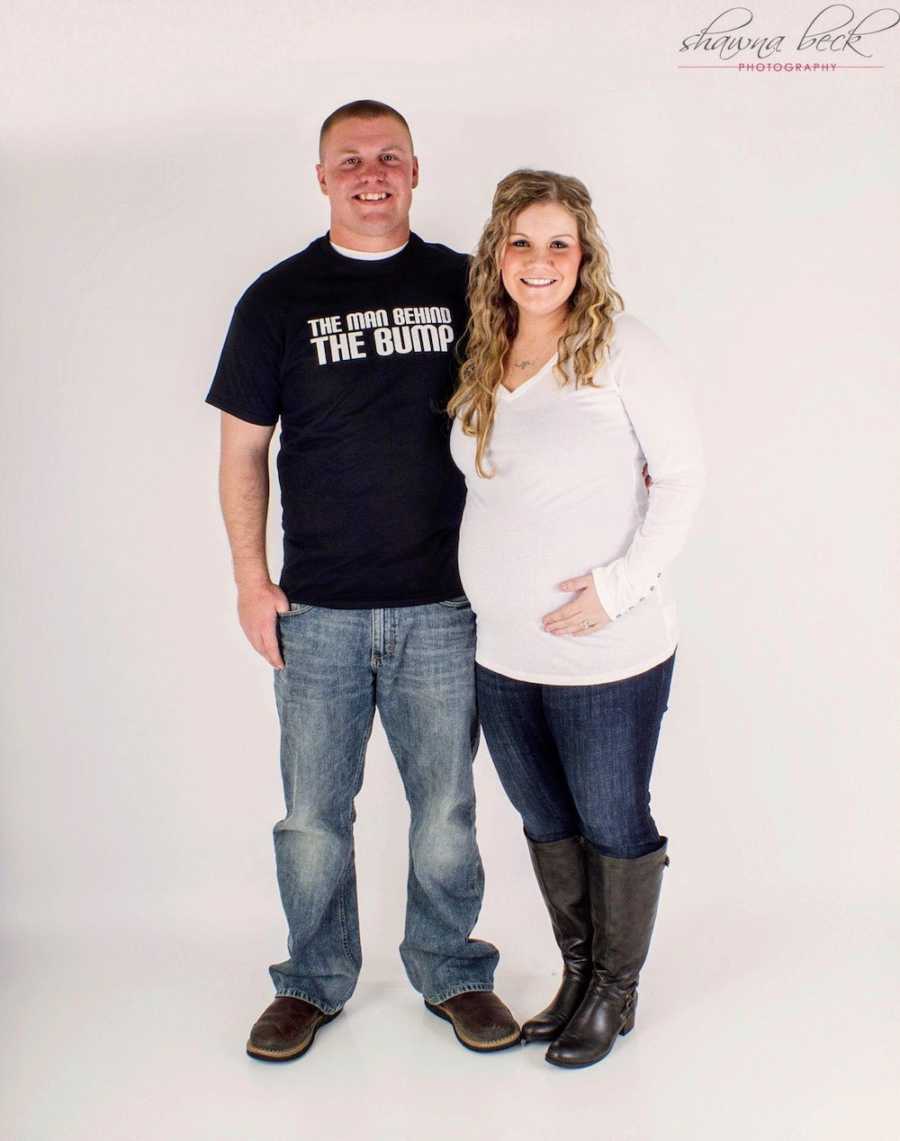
[{"x": 540, "y": 263}]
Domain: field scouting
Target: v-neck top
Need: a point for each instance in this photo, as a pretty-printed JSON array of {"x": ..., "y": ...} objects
[
  {"x": 512, "y": 394},
  {"x": 567, "y": 498}
]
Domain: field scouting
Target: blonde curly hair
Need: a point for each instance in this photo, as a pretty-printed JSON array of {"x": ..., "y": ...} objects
[{"x": 493, "y": 315}]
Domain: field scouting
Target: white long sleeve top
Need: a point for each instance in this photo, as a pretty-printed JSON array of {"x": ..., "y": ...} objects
[{"x": 568, "y": 498}]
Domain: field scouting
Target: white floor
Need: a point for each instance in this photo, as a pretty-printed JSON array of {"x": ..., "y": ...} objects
[{"x": 755, "y": 1030}]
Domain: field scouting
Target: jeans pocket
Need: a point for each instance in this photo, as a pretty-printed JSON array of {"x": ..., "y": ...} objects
[
  {"x": 296, "y": 608},
  {"x": 461, "y": 603}
]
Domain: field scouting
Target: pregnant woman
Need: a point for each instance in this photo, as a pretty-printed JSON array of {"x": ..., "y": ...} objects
[{"x": 563, "y": 400}]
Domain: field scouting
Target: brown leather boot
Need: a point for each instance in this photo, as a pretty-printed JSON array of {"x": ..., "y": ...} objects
[
  {"x": 562, "y": 877},
  {"x": 286, "y": 1029},
  {"x": 624, "y": 898},
  {"x": 479, "y": 1019}
]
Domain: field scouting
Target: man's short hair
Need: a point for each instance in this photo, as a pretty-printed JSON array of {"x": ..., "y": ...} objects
[{"x": 361, "y": 109}]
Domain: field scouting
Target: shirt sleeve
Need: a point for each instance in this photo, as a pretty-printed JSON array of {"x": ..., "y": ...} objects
[
  {"x": 659, "y": 408},
  {"x": 247, "y": 382}
]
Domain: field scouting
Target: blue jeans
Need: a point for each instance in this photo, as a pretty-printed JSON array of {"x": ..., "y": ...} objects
[
  {"x": 575, "y": 760},
  {"x": 415, "y": 665}
]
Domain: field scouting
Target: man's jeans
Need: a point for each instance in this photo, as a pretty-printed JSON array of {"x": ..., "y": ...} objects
[{"x": 415, "y": 665}]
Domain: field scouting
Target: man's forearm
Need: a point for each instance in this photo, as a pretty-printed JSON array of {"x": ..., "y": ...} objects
[{"x": 244, "y": 495}]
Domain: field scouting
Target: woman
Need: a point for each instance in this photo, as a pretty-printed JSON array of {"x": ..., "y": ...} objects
[{"x": 563, "y": 400}]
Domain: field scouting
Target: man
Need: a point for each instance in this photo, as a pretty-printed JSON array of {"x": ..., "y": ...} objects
[{"x": 349, "y": 343}]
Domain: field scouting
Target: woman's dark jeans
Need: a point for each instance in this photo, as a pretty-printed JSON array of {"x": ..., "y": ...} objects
[{"x": 575, "y": 760}]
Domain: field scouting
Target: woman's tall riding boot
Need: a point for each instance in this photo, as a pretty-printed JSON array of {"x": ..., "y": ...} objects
[
  {"x": 562, "y": 877},
  {"x": 624, "y": 896}
]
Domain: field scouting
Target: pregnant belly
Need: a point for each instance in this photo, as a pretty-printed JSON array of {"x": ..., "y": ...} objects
[{"x": 514, "y": 575}]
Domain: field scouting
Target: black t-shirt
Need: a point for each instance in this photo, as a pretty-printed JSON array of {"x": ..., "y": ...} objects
[{"x": 357, "y": 359}]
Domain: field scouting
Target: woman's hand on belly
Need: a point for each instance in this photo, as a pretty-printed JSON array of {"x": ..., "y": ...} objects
[{"x": 583, "y": 615}]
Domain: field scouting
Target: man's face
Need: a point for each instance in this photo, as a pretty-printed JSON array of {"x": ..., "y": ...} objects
[{"x": 368, "y": 172}]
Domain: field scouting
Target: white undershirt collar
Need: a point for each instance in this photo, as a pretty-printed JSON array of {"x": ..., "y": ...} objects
[{"x": 364, "y": 255}]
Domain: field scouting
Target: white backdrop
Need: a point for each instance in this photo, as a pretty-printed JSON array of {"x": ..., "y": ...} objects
[{"x": 158, "y": 157}]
